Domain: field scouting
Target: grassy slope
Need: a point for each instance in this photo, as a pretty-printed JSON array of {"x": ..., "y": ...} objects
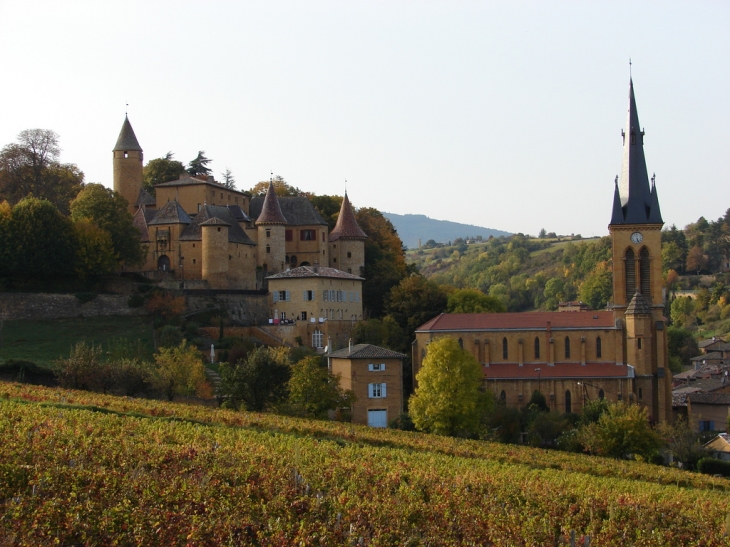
[
  {"x": 44, "y": 341},
  {"x": 88, "y": 469}
]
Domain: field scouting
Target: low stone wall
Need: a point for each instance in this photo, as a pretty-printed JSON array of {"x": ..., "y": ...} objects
[
  {"x": 59, "y": 306},
  {"x": 249, "y": 309}
]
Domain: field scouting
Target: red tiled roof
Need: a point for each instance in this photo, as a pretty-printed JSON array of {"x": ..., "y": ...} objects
[
  {"x": 271, "y": 211},
  {"x": 519, "y": 321},
  {"x": 503, "y": 371},
  {"x": 346, "y": 227}
]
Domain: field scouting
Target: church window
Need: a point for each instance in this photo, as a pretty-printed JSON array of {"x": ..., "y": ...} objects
[
  {"x": 601, "y": 394},
  {"x": 567, "y": 347},
  {"x": 503, "y": 396},
  {"x": 568, "y": 401},
  {"x": 288, "y": 235},
  {"x": 505, "y": 353},
  {"x": 537, "y": 348},
  {"x": 461, "y": 343},
  {"x": 630, "y": 275},
  {"x": 638, "y": 343},
  {"x": 644, "y": 270},
  {"x": 633, "y": 137},
  {"x": 599, "y": 349}
]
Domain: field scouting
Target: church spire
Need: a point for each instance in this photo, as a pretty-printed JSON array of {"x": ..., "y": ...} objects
[{"x": 638, "y": 200}]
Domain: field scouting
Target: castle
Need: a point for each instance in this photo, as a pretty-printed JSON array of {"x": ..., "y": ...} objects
[{"x": 574, "y": 356}]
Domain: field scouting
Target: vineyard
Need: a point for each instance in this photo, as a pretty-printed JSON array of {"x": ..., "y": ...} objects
[{"x": 80, "y": 468}]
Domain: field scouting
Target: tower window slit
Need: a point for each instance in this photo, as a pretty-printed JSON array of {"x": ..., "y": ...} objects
[
  {"x": 644, "y": 267},
  {"x": 630, "y": 275}
]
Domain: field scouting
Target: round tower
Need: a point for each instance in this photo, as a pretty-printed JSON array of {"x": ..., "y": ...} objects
[
  {"x": 271, "y": 226},
  {"x": 347, "y": 242},
  {"x": 214, "y": 235},
  {"x": 128, "y": 159}
]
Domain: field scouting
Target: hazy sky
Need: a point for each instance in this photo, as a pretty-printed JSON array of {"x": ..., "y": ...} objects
[{"x": 501, "y": 114}]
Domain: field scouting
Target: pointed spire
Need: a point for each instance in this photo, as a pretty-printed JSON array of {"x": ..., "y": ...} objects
[
  {"x": 633, "y": 190},
  {"x": 271, "y": 210},
  {"x": 655, "y": 214},
  {"x": 617, "y": 216},
  {"x": 127, "y": 139},
  {"x": 347, "y": 227}
]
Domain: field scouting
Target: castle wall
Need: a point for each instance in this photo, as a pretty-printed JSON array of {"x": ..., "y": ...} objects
[
  {"x": 192, "y": 197},
  {"x": 215, "y": 256},
  {"x": 128, "y": 175},
  {"x": 60, "y": 306},
  {"x": 300, "y": 250},
  {"x": 348, "y": 255},
  {"x": 271, "y": 247}
]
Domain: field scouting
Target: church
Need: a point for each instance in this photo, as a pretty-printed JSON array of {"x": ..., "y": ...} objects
[{"x": 572, "y": 357}]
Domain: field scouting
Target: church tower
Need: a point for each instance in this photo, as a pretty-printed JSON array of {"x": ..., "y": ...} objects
[
  {"x": 128, "y": 158},
  {"x": 638, "y": 298},
  {"x": 347, "y": 242},
  {"x": 271, "y": 233}
]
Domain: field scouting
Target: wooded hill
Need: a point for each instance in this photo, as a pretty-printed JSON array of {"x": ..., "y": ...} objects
[{"x": 413, "y": 229}]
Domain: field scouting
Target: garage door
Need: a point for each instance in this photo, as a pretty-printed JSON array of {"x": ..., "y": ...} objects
[{"x": 378, "y": 418}]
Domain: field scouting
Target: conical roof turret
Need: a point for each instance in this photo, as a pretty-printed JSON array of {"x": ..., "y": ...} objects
[
  {"x": 637, "y": 201},
  {"x": 271, "y": 210},
  {"x": 638, "y": 305},
  {"x": 347, "y": 227},
  {"x": 127, "y": 139}
]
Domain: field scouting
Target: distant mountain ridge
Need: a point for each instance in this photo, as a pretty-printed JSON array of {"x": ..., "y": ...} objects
[{"x": 411, "y": 228}]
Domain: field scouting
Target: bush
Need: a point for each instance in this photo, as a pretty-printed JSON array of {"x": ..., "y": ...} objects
[
  {"x": 713, "y": 466},
  {"x": 27, "y": 372},
  {"x": 170, "y": 336},
  {"x": 85, "y": 297},
  {"x": 135, "y": 301}
]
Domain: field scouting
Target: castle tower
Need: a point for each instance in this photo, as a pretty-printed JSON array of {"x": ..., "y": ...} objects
[
  {"x": 347, "y": 242},
  {"x": 271, "y": 233},
  {"x": 128, "y": 158},
  {"x": 214, "y": 239},
  {"x": 638, "y": 296}
]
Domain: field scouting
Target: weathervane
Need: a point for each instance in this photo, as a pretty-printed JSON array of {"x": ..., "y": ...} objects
[
  {"x": 629, "y": 67},
  {"x": 126, "y": 109}
]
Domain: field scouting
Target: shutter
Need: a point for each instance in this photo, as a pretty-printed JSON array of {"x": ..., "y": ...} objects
[
  {"x": 314, "y": 295},
  {"x": 382, "y": 391},
  {"x": 275, "y": 294},
  {"x": 370, "y": 391},
  {"x": 305, "y": 296},
  {"x": 382, "y": 366},
  {"x": 324, "y": 295},
  {"x": 357, "y": 297},
  {"x": 288, "y": 296}
]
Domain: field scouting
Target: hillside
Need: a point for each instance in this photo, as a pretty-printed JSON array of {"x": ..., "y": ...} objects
[
  {"x": 411, "y": 228},
  {"x": 84, "y": 468}
]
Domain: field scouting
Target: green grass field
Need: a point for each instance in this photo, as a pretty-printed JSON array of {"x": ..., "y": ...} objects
[{"x": 44, "y": 341}]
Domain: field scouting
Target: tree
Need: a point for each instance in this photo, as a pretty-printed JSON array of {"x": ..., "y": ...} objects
[
  {"x": 696, "y": 259},
  {"x": 180, "y": 371},
  {"x": 108, "y": 210},
  {"x": 383, "y": 332},
  {"x": 473, "y": 301},
  {"x": 683, "y": 441},
  {"x": 414, "y": 301},
  {"x": 199, "y": 166},
  {"x": 448, "y": 400},
  {"x": 329, "y": 207},
  {"x": 161, "y": 170},
  {"x": 542, "y": 234},
  {"x": 682, "y": 311},
  {"x": 672, "y": 256},
  {"x": 621, "y": 432},
  {"x": 165, "y": 305},
  {"x": 597, "y": 289},
  {"x": 554, "y": 292},
  {"x": 313, "y": 390},
  {"x": 682, "y": 346},
  {"x": 281, "y": 187},
  {"x": 228, "y": 180},
  {"x": 31, "y": 166},
  {"x": 81, "y": 369},
  {"x": 259, "y": 381},
  {"x": 95, "y": 254}
]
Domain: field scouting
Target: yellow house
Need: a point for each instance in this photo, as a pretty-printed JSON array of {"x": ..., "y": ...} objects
[{"x": 375, "y": 375}]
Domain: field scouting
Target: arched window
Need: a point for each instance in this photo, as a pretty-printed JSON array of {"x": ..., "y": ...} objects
[
  {"x": 293, "y": 261},
  {"x": 601, "y": 395},
  {"x": 503, "y": 397},
  {"x": 568, "y": 401},
  {"x": 567, "y": 347},
  {"x": 599, "y": 349},
  {"x": 461, "y": 343},
  {"x": 505, "y": 353},
  {"x": 644, "y": 271},
  {"x": 537, "y": 348},
  {"x": 630, "y": 275}
]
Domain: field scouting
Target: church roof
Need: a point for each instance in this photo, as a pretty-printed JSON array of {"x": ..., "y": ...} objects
[
  {"x": 170, "y": 213},
  {"x": 127, "y": 139},
  {"x": 519, "y": 321},
  {"x": 639, "y": 203},
  {"x": 366, "y": 351},
  {"x": 638, "y": 305},
  {"x": 236, "y": 234},
  {"x": 144, "y": 198},
  {"x": 558, "y": 370},
  {"x": 346, "y": 227},
  {"x": 270, "y": 210},
  {"x": 315, "y": 271}
]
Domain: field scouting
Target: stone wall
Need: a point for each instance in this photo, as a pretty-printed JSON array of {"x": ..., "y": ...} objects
[
  {"x": 58, "y": 306},
  {"x": 249, "y": 309}
]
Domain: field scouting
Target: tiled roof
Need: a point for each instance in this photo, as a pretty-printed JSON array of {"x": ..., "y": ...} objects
[
  {"x": 238, "y": 213},
  {"x": 504, "y": 371},
  {"x": 236, "y": 234},
  {"x": 519, "y": 321},
  {"x": 709, "y": 342},
  {"x": 312, "y": 271},
  {"x": 638, "y": 305},
  {"x": 215, "y": 221},
  {"x": 702, "y": 384},
  {"x": 297, "y": 210},
  {"x": 144, "y": 198},
  {"x": 190, "y": 180},
  {"x": 709, "y": 398},
  {"x": 707, "y": 356},
  {"x": 270, "y": 210},
  {"x": 127, "y": 139},
  {"x": 366, "y": 351},
  {"x": 141, "y": 219},
  {"x": 346, "y": 227},
  {"x": 170, "y": 213}
]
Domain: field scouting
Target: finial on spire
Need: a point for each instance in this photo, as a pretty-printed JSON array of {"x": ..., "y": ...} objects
[
  {"x": 616, "y": 180},
  {"x": 630, "y": 77},
  {"x": 345, "y": 186},
  {"x": 653, "y": 179},
  {"x": 126, "y": 109}
]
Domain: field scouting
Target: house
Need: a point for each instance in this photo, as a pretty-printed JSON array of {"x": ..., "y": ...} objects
[
  {"x": 708, "y": 411},
  {"x": 719, "y": 447},
  {"x": 617, "y": 354},
  {"x": 375, "y": 375}
]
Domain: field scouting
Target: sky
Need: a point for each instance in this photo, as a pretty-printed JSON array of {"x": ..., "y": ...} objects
[{"x": 506, "y": 115}]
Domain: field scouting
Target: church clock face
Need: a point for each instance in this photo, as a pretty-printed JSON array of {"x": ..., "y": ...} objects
[{"x": 636, "y": 237}]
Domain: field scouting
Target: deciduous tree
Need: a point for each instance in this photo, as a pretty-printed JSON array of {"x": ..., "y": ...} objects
[
  {"x": 161, "y": 170},
  {"x": 473, "y": 301},
  {"x": 696, "y": 259},
  {"x": 95, "y": 254},
  {"x": 281, "y": 187},
  {"x": 313, "y": 390},
  {"x": 180, "y": 371},
  {"x": 259, "y": 381},
  {"x": 597, "y": 289}
]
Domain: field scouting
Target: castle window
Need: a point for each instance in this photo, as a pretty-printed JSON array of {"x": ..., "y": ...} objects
[
  {"x": 599, "y": 349},
  {"x": 633, "y": 137},
  {"x": 568, "y": 402},
  {"x": 349, "y": 254},
  {"x": 288, "y": 235},
  {"x": 307, "y": 235},
  {"x": 638, "y": 343},
  {"x": 567, "y": 347},
  {"x": 317, "y": 339},
  {"x": 268, "y": 233},
  {"x": 126, "y": 154},
  {"x": 334, "y": 260},
  {"x": 644, "y": 271},
  {"x": 630, "y": 275},
  {"x": 349, "y": 270},
  {"x": 322, "y": 236},
  {"x": 221, "y": 195},
  {"x": 641, "y": 393},
  {"x": 193, "y": 261},
  {"x": 268, "y": 249},
  {"x": 537, "y": 348},
  {"x": 505, "y": 353}
]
